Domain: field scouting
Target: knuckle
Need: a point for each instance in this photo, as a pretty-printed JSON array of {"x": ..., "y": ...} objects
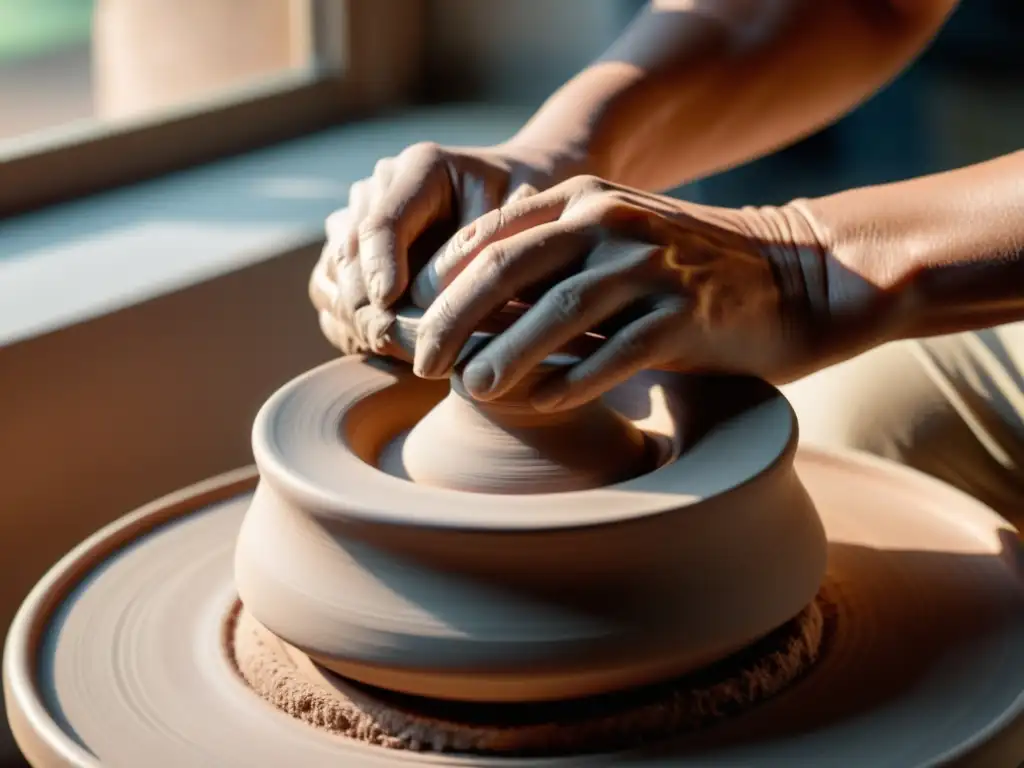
[
  {"x": 383, "y": 166},
  {"x": 348, "y": 250},
  {"x": 496, "y": 258},
  {"x": 357, "y": 189},
  {"x": 376, "y": 223},
  {"x": 351, "y": 296},
  {"x": 603, "y": 208},
  {"x": 566, "y": 302},
  {"x": 597, "y": 210},
  {"x": 478, "y": 229},
  {"x": 588, "y": 184},
  {"x": 632, "y": 347},
  {"x": 423, "y": 151},
  {"x": 587, "y": 191},
  {"x": 336, "y": 222},
  {"x": 486, "y": 226}
]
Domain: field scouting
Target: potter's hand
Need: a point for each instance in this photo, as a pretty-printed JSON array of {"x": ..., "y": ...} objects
[
  {"x": 365, "y": 265},
  {"x": 671, "y": 285}
]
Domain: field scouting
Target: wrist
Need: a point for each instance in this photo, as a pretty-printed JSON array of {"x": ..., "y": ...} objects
[
  {"x": 555, "y": 159},
  {"x": 865, "y": 300},
  {"x": 943, "y": 250},
  {"x": 831, "y": 307}
]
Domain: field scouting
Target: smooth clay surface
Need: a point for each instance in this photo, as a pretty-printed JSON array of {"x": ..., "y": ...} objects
[
  {"x": 504, "y": 445},
  {"x": 525, "y": 597},
  {"x": 118, "y": 657}
]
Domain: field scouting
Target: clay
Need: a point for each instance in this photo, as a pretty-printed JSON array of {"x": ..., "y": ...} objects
[
  {"x": 505, "y": 445},
  {"x": 117, "y": 657},
  {"x": 525, "y": 597},
  {"x": 290, "y": 681}
]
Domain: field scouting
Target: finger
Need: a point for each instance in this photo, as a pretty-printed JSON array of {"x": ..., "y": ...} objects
[
  {"x": 469, "y": 241},
  {"x": 487, "y": 284},
  {"x": 520, "y": 192},
  {"x": 335, "y": 226},
  {"x": 566, "y": 312},
  {"x": 342, "y": 224},
  {"x": 419, "y": 194},
  {"x": 373, "y": 326},
  {"x": 476, "y": 198},
  {"x": 349, "y": 274},
  {"x": 340, "y": 334},
  {"x": 322, "y": 290},
  {"x": 644, "y": 343},
  {"x": 384, "y": 172}
]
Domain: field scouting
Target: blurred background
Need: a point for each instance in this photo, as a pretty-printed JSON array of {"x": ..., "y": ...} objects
[
  {"x": 65, "y": 62},
  {"x": 73, "y": 68}
]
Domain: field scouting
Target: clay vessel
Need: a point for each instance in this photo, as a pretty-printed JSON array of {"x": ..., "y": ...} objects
[
  {"x": 505, "y": 445},
  {"x": 518, "y": 596},
  {"x": 117, "y": 656}
]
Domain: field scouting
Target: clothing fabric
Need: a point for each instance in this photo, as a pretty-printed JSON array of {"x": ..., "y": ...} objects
[{"x": 951, "y": 406}]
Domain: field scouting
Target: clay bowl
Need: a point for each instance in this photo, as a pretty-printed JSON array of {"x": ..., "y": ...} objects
[{"x": 505, "y": 597}]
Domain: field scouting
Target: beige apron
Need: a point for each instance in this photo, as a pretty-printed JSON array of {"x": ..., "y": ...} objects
[{"x": 951, "y": 406}]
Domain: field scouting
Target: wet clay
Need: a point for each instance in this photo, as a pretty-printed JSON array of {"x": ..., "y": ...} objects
[
  {"x": 505, "y": 445},
  {"x": 290, "y": 681},
  {"x": 525, "y": 597},
  {"x": 117, "y": 657}
]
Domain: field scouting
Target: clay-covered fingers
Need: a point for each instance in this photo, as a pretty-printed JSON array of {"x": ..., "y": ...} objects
[
  {"x": 493, "y": 278},
  {"x": 571, "y": 308},
  {"x": 322, "y": 289},
  {"x": 524, "y": 209},
  {"x": 646, "y": 342},
  {"x": 417, "y": 194},
  {"x": 350, "y": 293},
  {"x": 340, "y": 334}
]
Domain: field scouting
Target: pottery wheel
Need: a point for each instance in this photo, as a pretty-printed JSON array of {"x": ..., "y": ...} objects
[{"x": 117, "y": 657}]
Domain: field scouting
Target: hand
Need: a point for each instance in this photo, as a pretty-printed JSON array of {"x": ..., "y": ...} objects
[
  {"x": 671, "y": 285},
  {"x": 365, "y": 265}
]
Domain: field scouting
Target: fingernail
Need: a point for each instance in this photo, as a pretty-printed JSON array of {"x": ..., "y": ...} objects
[
  {"x": 425, "y": 359},
  {"x": 478, "y": 377}
]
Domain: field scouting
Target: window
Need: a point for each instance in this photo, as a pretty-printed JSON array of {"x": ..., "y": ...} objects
[{"x": 97, "y": 93}]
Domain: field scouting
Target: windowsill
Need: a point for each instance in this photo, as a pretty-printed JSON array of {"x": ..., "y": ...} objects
[{"x": 79, "y": 260}]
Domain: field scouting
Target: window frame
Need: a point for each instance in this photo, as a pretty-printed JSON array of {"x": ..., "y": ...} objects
[{"x": 349, "y": 77}]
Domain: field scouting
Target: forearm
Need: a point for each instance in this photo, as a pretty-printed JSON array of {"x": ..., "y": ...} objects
[
  {"x": 945, "y": 251},
  {"x": 697, "y": 86}
]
